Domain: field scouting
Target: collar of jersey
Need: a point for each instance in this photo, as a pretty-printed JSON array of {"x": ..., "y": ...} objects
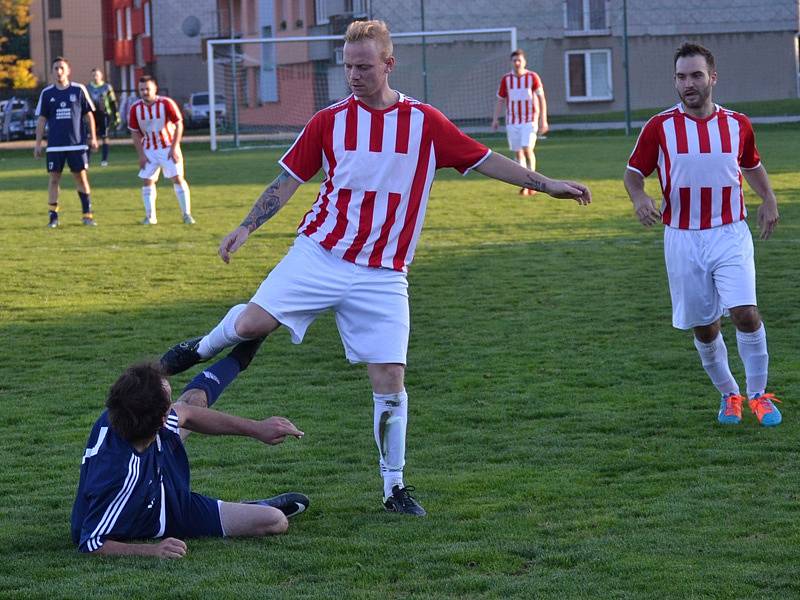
[
  {"x": 697, "y": 119},
  {"x": 380, "y": 111}
]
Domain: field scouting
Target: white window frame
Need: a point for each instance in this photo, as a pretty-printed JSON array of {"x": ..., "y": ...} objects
[
  {"x": 128, "y": 25},
  {"x": 587, "y": 21},
  {"x": 321, "y": 12},
  {"x": 120, "y": 33},
  {"x": 146, "y": 9},
  {"x": 587, "y": 74}
]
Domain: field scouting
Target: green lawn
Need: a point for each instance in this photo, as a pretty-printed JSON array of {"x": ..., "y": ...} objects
[{"x": 562, "y": 435}]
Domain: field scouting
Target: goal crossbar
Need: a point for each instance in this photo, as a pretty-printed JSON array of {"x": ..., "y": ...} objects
[{"x": 511, "y": 31}]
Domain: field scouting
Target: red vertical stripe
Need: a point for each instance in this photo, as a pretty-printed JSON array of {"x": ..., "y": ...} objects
[
  {"x": 364, "y": 226},
  {"x": 724, "y": 132},
  {"x": 164, "y": 139},
  {"x": 414, "y": 200},
  {"x": 705, "y": 208},
  {"x": 327, "y": 149},
  {"x": 403, "y": 128},
  {"x": 376, "y": 133},
  {"x": 342, "y": 202},
  {"x": 666, "y": 185},
  {"x": 727, "y": 217},
  {"x": 680, "y": 134},
  {"x": 686, "y": 207},
  {"x": 702, "y": 136},
  {"x": 376, "y": 256},
  {"x": 351, "y": 127},
  {"x": 741, "y": 198}
]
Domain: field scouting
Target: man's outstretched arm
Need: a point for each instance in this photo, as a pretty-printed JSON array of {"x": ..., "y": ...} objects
[
  {"x": 499, "y": 167},
  {"x": 166, "y": 548},
  {"x": 213, "y": 422},
  {"x": 268, "y": 204}
]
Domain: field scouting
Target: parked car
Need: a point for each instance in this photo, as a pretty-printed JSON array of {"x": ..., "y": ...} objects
[
  {"x": 196, "y": 110},
  {"x": 17, "y": 119}
]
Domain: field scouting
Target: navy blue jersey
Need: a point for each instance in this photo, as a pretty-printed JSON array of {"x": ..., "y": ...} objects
[
  {"x": 124, "y": 494},
  {"x": 64, "y": 110}
]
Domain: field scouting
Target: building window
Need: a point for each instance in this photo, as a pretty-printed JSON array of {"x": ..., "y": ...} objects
[
  {"x": 269, "y": 73},
  {"x": 588, "y": 75},
  {"x": 321, "y": 12},
  {"x": 120, "y": 32},
  {"x": 147, "y": 19},
  {"x": 582, "y": 17},
  {"x": 128, "y": 26},
  {"x": 54, "y": 9},
  {"x": 55, "y": 39}
]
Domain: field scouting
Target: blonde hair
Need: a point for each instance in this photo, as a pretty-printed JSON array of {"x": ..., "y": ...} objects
[{"x": 378, "y": 31}]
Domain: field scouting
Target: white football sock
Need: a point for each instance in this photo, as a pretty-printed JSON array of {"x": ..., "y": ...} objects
[
  {"x": 753, "y": 350},
  {"x": 149, "y": 194},
  {"x": 184, "y": 197},
  {"x": 714, "y": 357},
  {"x": 389, "y": 423},
  {"x": 222, "y": 336}
]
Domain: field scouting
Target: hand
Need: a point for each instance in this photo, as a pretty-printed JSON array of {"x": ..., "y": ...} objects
[
  {"x": 170, "y": 548},
  {"x": 544, "y": 128},
  {"x": 646, "y": 210},
  {"x": 768, "y": 218},
  {"x": 232, "y": 242},
  {"x": 175, "y": 154},
  {"x": 93, "y": 144},
  {"x": 142, "y": 162},
  {"x": 569, "y": 190},
  {"x": 275, "y": 429},
  {"x": 37, "y": 151},
  {"x": 495, "y": 124}
]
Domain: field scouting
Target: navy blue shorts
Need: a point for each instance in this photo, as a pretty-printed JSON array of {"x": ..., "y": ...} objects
[
  {"x": 197, "y": 516},
  {"x": 101, "y": 124},
  {"x": 78, "y": 160}
]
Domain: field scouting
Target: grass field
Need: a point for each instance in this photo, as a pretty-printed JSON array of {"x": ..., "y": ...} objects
[{"x": 562, "y": 435}]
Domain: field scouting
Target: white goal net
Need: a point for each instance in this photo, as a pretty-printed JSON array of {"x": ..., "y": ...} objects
[{"x": 264, "y": 90}]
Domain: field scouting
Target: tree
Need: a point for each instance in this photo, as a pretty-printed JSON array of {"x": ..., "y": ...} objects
[{"x": 15, "y": 68}]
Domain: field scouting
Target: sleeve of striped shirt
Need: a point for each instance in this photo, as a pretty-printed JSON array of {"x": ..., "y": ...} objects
[
  {"x": 86, "y": 101},
  {"x": 502, "y": 92},
  {"x": 133, "y": 119},
  {"x": 453, "y": 147},
  {"x": 749, "y": 158},
  {"x": 537, "y": 86},
  {"x": 108, "y": 496},
  {"x": 304, "y": 158},
  {"x": 644, "y": 158},
  {"x": 172, "y": 111},
  {"x": 42, "y": 107}
]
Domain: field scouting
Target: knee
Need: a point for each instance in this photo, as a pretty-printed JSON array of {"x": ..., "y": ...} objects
[
  {"x": 194, "y": 397},
  {"x": 249, "y": 327},
  {"x": 273, "y": 525},
  {"x": 387, "y": 378},
  {"x": 746, "y": 318}
]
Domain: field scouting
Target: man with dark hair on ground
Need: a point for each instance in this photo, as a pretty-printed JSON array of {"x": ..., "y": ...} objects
[
  {"x": 62, "y": 107},
  {"x": 701, "y": 151},
  {"x": 135, "y": 480}
]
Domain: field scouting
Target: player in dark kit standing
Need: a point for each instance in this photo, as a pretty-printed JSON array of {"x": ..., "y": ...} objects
[
  {"x": 62, "y": 107},
  {"x": 106, "y": 113}
]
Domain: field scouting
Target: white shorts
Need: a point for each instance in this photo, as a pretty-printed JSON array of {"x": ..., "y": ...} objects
[
  {"x": 158, "y": 159},
  {"x": 370, "y": 304},
  {"x": 710, "y": 271},
  {"x": 521, "y": 136}
]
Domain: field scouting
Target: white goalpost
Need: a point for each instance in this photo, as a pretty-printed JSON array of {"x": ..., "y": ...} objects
[{"x": 271, "y": 86}]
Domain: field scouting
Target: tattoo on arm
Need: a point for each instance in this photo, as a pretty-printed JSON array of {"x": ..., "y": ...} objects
[
  {"x": 534, "y": 184},
  {"x": 268, "y": 203}
]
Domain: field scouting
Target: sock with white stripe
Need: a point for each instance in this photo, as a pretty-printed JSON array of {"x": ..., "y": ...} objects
[
  {"x": 390, "y": 421},
  {"x": 223, "y": 335},
  {"x": 714, "y": 356},
  {"x": 149, "y": 194},
  {"x": 184, "y": 197},
  {"x": 753, "y": 350},
  {"x": 215, "y": 379}
]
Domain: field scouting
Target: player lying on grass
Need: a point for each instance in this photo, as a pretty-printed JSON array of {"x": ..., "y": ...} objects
[
  {"x": 379, "y": 151},
  {"x": 135, "y": 480}
]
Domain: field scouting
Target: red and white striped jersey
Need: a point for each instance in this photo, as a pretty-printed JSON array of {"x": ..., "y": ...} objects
[
  {"x": 520, "y": 93},
  {"x": 379, "y": 167},
  {"x": 699, "y": 164},
  {"x": 155, "y": 121}
]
